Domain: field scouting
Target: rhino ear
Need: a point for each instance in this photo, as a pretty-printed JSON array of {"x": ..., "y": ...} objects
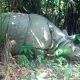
[{"x": 65, "y": 32}]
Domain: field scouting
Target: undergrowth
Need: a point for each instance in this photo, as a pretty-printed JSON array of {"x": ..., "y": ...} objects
[{"x": 62, "y": 70}]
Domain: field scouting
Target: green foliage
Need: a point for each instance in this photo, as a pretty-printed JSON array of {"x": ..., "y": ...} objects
[
  {"x": 40, "y": 55},
  {"x": 22, "y": 60},
  {"x": 26, "y": 48},
  {"x": 54, "y": 10},
  {"x": 68, "y": 67},
  {"x": 3, "y": 6},
  {"x": 32, "y": 64},
  {"x": 77, "y": 37},
  {"x": 78, "y": 68},
  {"x": 63, "y": 51},
  {"x": 61, "y": 60},
  {"x": 29, "y": 52}
]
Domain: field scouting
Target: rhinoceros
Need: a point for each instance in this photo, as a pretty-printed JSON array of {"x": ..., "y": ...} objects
[{"x": 34, "y": 30}]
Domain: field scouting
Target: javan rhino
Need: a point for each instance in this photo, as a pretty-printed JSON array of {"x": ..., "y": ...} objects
[{"x": 34, "y": 30}]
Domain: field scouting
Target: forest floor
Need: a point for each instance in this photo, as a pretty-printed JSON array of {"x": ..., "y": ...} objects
[{"x": 49, "y": 70}]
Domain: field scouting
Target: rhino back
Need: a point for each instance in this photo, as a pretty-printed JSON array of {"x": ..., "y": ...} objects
[
  {"x": 18, "y": 25},
  {"x": 30, "y": 28},
  {"x": 38, "y": 34},
  {"x": 15, "y": 25}
]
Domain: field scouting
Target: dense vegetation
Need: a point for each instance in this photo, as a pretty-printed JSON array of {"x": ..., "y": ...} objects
[{"x": 65, "y": 14}]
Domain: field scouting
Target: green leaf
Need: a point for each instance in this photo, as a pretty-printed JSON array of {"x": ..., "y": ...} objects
[
  {"x": 68, "y": 67},
  {"x": 66, "y": 77},
  {"x": 22, "y": 60},
  {"x": 61, "y": 60},
  {"x": 78, "y": 37},
  {"x": 40, "y": 56},
  {"x": 78, "y": 68},
  {"x": 32, "y": 64},
  {"x": 26, "y": 48}
]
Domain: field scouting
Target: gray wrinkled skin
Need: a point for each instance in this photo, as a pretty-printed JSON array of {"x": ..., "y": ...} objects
[
  {"x": 29, "y": 28},
  {"x": 34, "y": 30}
]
